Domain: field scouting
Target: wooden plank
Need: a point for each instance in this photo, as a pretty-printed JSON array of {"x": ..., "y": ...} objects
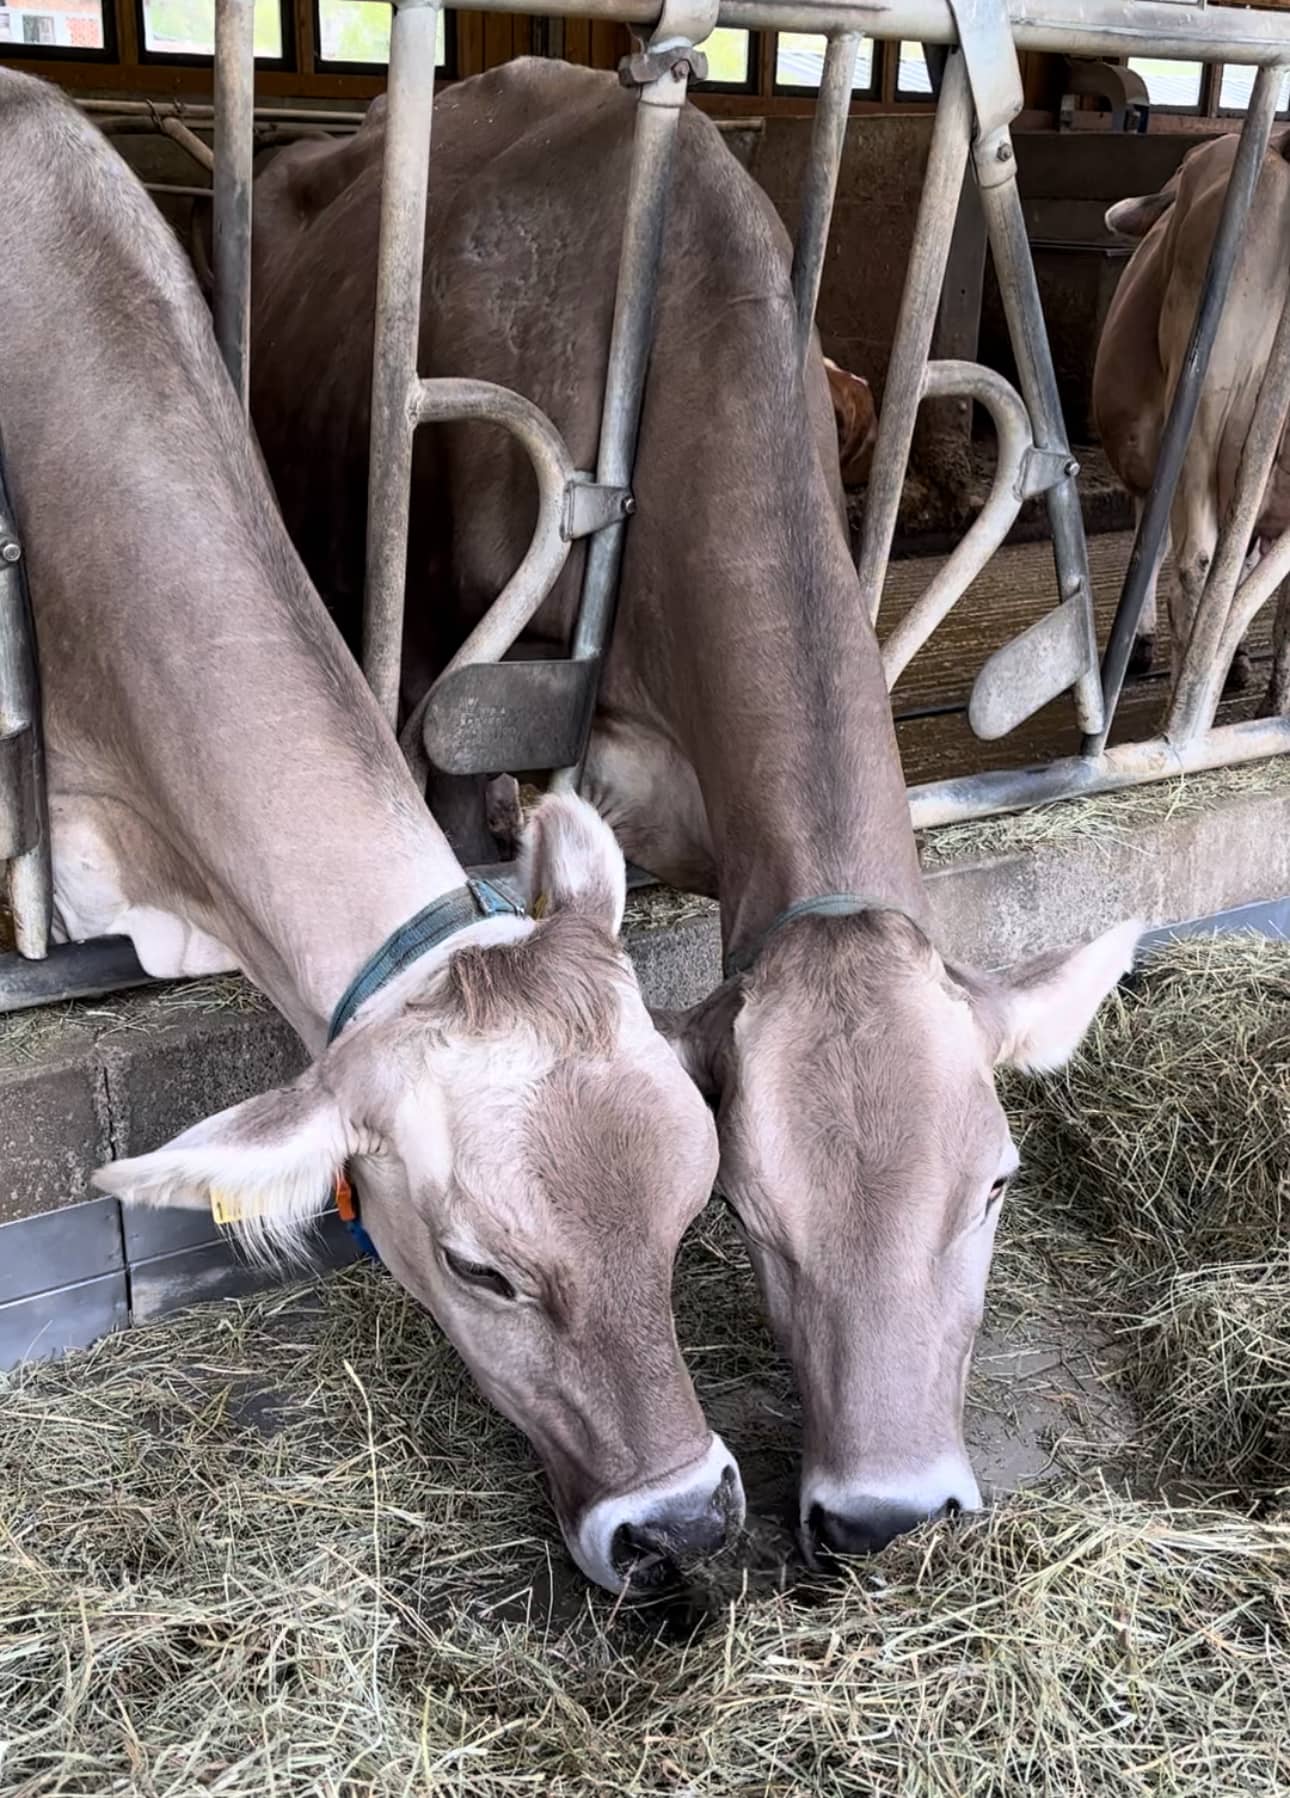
[
  {"x": 933, "y": 748},
  {"x": 1017, "y": 587}
]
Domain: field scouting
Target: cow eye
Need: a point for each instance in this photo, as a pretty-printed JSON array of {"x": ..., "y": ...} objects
[
  {"x": 474, "y": 1273},
  {"x": 998, "y": 1189}
]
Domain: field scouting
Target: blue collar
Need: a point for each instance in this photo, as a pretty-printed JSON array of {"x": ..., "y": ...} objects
[
  {"x": 826, "y": 905},
  {"x": 441, "y": 919}
]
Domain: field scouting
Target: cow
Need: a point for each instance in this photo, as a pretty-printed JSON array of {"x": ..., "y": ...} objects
[
  {"x": 857, "y": 423},
  {"x": 526, "y": 1147},
  {"x": 1141, "y": 352},
  {"x": 743, "y": 744}
]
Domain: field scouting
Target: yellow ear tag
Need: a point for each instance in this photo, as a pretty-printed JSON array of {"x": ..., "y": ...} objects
[
  {"x": 540, "y": 906},
  {"x": 226, "y": 1209}
]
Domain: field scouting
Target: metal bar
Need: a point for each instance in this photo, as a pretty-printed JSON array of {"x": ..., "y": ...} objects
[
  {"x": 1012, "y": 424},
  {"x": 1153, "y": 525},
  {"x": 150, "y": 111},
  {"x": 919, "y": 304},
  {"x": 456, "y": 400},
  {"x": 960, "y": 800},
  {"x": 1162, "y": 28},
  {"x": 828, "y": 137},
  {"x": 1194, "y": 700},
  {"x": 24, "y": 809},
  {"x": 658, "y": 113},
  {"x": 70, "y": 971},
  {"x": 996, "y": 166},
  {"x": 234, "y": 148},
  {"x": 404, "y": 186},
  {"x": 188, "y": 140}
]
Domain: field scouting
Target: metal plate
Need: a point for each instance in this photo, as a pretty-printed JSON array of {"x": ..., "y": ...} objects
[
  {"x": 50, "y": 1323},
  {"x": 218, "y": 1270},
  {"x": 59, "y": 1248},
  {"x": 19, "y": 811},
  {"x": 510, "y": 717},
  {"x": 1021, "y": 678}
]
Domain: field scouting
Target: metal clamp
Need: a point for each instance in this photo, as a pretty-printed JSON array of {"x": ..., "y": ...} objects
[
  {"x": 678, "y": 58},
  {"x": 671, "y": 51},
  {"x": 591, "y": 505},
  {"x": 1044, "y": 469}
]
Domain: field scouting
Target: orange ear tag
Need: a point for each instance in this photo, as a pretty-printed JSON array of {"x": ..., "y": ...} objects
[{"x": 345, "y": 1199}]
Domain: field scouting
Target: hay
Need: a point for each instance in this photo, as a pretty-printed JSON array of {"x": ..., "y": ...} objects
[
  {"x": 1161, "y": 1159},
  {"x": 280, "y": 1547},
  {"x": 1115, "y": 820}
]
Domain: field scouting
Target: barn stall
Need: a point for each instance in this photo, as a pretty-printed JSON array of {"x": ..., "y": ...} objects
[{"x": 278, "y": 1542}]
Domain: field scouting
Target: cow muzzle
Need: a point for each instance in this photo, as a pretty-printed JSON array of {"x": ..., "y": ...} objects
[
  {"x": 862, "y": 1517},
  {"x": 654, "y": 1536}
]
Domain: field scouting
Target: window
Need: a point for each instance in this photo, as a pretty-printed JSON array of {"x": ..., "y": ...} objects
[
  {"x": 1171, "y": 86},
  {"x": 912, "y": 79},
  {"x": 187, "y": 28},
  {"x": 1237, "y": 86},
  {"x": 729, "y": 54},
  {"x": 354, "y": 34},
  {"x": 799, "y": 62},
  {"x": 58, "y": 28}
]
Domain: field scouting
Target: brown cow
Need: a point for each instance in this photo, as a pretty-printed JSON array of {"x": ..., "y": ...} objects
[
  {"x": 744, "y": 742},
  {"x": 224, "y": 791},
  {"x": 1143, "y": 343},
  {"x": 857, "y": 421}
]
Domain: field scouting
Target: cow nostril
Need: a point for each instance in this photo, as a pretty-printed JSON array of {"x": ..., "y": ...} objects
[
  {"x": 864, "y": 1531},
  {"x": 639, "y": 1555},
  {"x": 952, "y": 1507}
]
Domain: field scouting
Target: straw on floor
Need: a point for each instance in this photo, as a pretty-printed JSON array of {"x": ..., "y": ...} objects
[{"x": 280, "y": 1547}]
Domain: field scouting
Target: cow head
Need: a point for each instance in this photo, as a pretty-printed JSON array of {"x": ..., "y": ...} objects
[
  {"x": 528, "y": 1153},
  {"x": 865, "y": 1154}
]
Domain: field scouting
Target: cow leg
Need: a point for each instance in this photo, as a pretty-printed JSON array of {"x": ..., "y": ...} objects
[
  {"x": 459, "y": 803},
  {"x": 1143, "y": 653},
  {"x": 1276, "y": 703},
  {"x": 1240, "y": 676},
  {"x": 1195, "y": 537}
]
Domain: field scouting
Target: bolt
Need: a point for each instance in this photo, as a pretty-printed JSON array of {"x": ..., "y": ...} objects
[
  {"x": 629, "y": 506},
  {"x": 1070, "y": 468},
  {"x": 11, "y": 551},
  {"x": 1003, "y": 153}
]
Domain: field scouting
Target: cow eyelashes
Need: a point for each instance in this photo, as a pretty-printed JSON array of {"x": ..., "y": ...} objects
[
  {"x": 474, "y": 1273},
  {"x": 997, "y": 1190}
]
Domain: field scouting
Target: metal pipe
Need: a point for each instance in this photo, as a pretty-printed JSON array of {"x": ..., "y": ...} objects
[
  {"x": 404, "y": 186},
  {"x": 188, "y": 140},
  {"x": 1153, "y": 524},
  {"x": 828, "y": 137},
  {"x": 919, "y": 303},
  {"x": 70, "y": 971},
  {"x": 960, "y": 800},
  {"x": 153, "y": 111},
  {"x": 658, "y": 114},
  {"x": 1194, "y": 700},
  {"x": 24, "y": 810},
  {"x": 995, "y": 161},
  {"x": 1253, "y": 593},
  {"x": 442, "y": 401},
  {"x": 234, "y": 149},
  {"x": 947, "y": 380}
]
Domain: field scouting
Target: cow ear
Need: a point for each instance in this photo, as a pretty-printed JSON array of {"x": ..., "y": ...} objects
[
  {"x": 1034, "y": 1016},
  {"x": 701, "y": 1037},
  {"x": 570, "y": 861},
  {"x": 267, "y": 1166},
  {"x": 1134, "y": 218}
]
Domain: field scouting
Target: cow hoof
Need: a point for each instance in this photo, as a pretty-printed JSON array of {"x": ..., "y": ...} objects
[
  {"x": 1240, "y": 676},
  {"x": 1143, "y": 654}
]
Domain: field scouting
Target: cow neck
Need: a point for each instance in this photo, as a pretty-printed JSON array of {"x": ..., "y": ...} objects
[
  {"x": 303, "y": 823},
  {"x": 804, "y": 794}
]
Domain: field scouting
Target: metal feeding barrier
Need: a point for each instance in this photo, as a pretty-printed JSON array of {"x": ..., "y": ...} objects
[{"x": 484, "y": 714}]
